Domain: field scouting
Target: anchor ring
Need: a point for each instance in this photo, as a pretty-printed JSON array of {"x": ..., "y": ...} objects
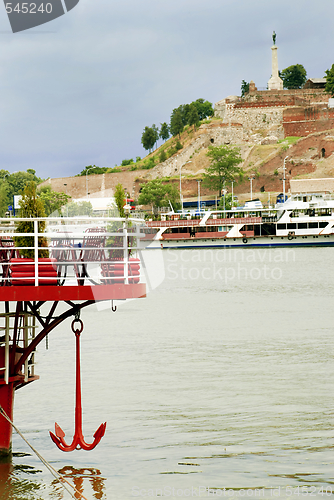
[{"x": 78, "y": 330}]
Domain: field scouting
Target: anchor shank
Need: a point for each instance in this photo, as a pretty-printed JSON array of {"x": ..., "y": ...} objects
[{"x": 78, "y": 407}]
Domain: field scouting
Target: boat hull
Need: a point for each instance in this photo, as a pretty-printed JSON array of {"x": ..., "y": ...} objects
[{"x": 249, "y": 242}]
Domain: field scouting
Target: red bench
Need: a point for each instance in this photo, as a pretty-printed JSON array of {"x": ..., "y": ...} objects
[{"x": 22, "y": 272}]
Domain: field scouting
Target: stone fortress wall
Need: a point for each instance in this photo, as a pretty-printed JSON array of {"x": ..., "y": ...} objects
[
  {"x": 211, "y": 134},
  {"x": 296, "y": 112}
]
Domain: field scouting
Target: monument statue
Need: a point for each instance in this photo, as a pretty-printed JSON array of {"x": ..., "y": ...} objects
[{"x": 275, "y": 82}]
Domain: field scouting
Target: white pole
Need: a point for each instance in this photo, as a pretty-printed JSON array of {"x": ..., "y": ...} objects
[
  {"x": 284, "y": 178},
  {"x": 66, "y": 201},
  {"x": 36, "y": 250},
  {"x": 199, "y": 196},
  {"x": 251, "y": 188},
  {"x": 181, "y": 199},
  {"x": 232, "y": 195}
]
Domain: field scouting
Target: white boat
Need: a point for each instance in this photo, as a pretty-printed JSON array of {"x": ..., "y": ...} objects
[{"x": 303, "y": 220}]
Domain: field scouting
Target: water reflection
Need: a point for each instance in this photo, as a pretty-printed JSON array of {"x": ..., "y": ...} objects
[
  {"x": 79, "y": 479},
  {"x": 15, "y": 483}
]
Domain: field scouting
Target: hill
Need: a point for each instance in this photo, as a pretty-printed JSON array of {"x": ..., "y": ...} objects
[{"x": 268, "y": 126}]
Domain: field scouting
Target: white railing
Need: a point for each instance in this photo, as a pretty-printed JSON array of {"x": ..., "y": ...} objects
[{"x": 92, "y": 247}]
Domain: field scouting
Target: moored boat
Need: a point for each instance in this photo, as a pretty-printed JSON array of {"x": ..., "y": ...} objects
[{"x": 303, "y": 220}]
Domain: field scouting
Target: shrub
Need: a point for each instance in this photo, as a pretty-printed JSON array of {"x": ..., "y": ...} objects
[
  {"x": 163, "y": 156},
  {"x": 150, "y": 163},
  {"x": 126, "y": 162},
  {"x": 171, "y": 151},
  {"x": 178, "y": 146}
]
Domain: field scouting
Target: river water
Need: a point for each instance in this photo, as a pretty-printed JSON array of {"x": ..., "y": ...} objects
[{"x": 218, "y": 384}]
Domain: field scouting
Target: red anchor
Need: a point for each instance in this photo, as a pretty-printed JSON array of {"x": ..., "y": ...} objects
[{"x": 78, "y": 442}]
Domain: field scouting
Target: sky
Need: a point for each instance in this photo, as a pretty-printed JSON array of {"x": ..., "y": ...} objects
[{"x": 80, "y": 89}]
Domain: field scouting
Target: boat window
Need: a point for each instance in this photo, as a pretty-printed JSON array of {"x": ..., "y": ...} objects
[
  {"x": 281, "y": 226},
  {"x": 313, "y": 225},
  {"x": 323, "y": 224},
  {"x": 292, "y": 226},
  {"x": 302, "y": 225}
]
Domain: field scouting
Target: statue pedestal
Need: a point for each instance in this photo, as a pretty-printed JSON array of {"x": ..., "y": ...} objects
[{"x": 275, "y": 82}]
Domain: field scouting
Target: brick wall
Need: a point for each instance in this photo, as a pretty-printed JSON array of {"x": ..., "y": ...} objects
[
  {"x": 288, "y": 97},
  {"x": 302, "y": 121}
]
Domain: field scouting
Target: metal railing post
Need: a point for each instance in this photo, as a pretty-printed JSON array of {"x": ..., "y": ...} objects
[
  {"x": 25, "y": 343},
  {"x": 125, "y": 254},
  {"x": 36, "y": 250},
  {"x": 7, "y": 349}
]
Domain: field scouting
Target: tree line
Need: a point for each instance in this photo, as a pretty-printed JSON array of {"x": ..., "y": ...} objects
[
  {"x": 185, "y": 114},
  {"x": 15, "y": 183},
  {"x": 294, "y": 77}
]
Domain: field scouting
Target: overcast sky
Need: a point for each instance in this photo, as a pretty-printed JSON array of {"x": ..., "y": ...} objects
[{"x": 80, "y": 90}]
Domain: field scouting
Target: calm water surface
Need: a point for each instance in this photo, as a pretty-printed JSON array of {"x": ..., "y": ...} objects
[{"x": 222, "y": 377}]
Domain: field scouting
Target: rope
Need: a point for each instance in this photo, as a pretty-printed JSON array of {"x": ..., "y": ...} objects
[{"x": 59, "y": 477}]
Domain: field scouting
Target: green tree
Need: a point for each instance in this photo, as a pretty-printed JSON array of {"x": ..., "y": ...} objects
[
  {"x": 119, "y": 196},
  {"x": 224, "y": 161},
  {"x": 4, "y": 174},
  {"x": 93, "y": 169},
  {"x": 148, "y": 138},
  {"x": 158, "y": 194},
  {"x": 17, "y": 181},
  {"x": 294, "y": 76},
  {"x": 183, "y": 111},
  {"x": 72, "y": 209},
  {"x": 228, "y": 201},
  {"x": 164, "y": 131},
  {"x": 79, "y": 208},
  {"x": 204, "y": 108},
  {"x": 156, "y": 134},
  {"x": 330, "y": 80},
  {"x": 176, "y": 123},
  {"x": 31, "y": 206},
  {"x": 3, "y": 199},
  {"x": 53, "y": 201},
  {"x": 125, "y": 163},
  {"x": 163, "y": 156},
  {"x": 193, "y": 117},
  {"x": 244, "y": 88},
  {"x": 85, "y": 208}
]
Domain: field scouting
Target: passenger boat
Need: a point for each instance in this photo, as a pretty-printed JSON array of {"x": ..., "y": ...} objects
[{"x": 302, "y": 220}]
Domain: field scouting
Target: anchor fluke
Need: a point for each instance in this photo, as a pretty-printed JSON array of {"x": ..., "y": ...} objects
[
  {"x": 100, "y": 431},
  {"x": 59, "y": 431}
]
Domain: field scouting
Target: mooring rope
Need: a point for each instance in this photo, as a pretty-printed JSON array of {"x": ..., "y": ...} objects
[{"x": 53, "y": 471}]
